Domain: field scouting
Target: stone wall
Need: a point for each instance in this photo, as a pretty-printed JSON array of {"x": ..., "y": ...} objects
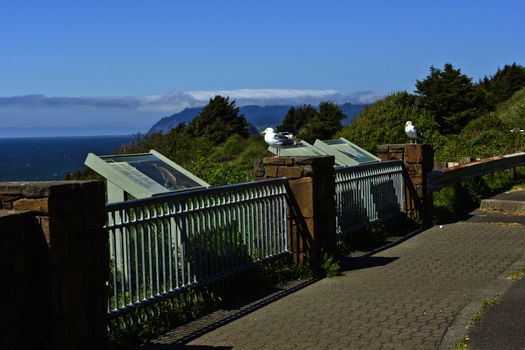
[
  {"x": 54, "y": 265},
  {"x": 312, "y": 201},
  {"x": 418, "y": 161}
]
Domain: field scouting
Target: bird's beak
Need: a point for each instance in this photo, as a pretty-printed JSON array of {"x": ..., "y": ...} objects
[{"x": 263, "y": 133}]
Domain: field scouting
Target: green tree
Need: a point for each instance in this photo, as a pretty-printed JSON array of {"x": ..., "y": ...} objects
[
  {"x": 218, "y": 120},
  {"x": 502, "y": 85},
  {"x": 451, "y": 97},
  {"x": 384, "y": 122},
  {"x": 324, "y": 124},
  {"x": 296, "y": 118}
]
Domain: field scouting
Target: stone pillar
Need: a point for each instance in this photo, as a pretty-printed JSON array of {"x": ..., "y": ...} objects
[
  {"x": 55, "y": 265},
  {"x": 418, "y": 160},
  {"x": 312, "y": 202}
]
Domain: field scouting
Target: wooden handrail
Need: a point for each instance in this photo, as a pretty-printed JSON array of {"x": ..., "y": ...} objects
[{"x": 437, "y": 179}]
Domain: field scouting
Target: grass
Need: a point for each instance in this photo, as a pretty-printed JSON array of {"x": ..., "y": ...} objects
[
  {"x": 463, "y": 344},
  {"x": 518, "y": 274},
  {"x": 478, "y": 315}
]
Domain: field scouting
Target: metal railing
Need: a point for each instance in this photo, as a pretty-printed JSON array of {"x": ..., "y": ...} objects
[
  {"x": 162, "y": 245},
  {"x": 438, "y": 179},
  {"x": 368, "y": 192}
]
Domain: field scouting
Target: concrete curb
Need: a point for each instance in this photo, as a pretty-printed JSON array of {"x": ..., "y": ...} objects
[
  {"x": 461, "y": 324},
  {"x": 509, "y": 207}
]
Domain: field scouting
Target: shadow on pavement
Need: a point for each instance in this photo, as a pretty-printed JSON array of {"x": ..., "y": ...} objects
[
  {"x": 364, "y": 262},
  {"x": 186, "y": 347},
  {"x": 179, "y": 337}
]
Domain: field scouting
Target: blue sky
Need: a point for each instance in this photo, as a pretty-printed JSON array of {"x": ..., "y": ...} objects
[{"x": 151, "y": 48}]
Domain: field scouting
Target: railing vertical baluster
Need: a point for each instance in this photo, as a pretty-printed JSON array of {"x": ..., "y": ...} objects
[
  {"x": 227, "y": 230},
  {"x": 170, "y": 242},
  {"x": 177, "y": 244},
  {"x": 114, "y": 258},
  {"x": 163, "y": 247},
  {"x": 122, "y": 263},
  {"x": 150, "y": 258},
  {"x": 143, "y": 253},
  {"x": 136, "y": 253}
]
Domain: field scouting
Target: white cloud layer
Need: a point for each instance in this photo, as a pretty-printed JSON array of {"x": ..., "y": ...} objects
[
  {"x": 174, "y": 102},
  {"x": 40, "y": 115}
]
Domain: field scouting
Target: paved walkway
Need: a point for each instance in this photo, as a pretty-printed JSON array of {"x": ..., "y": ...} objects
[{"x": 419, "y": 294}]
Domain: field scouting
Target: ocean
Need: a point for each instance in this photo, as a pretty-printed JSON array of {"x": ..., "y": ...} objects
[{"x": 51, "y": 158}]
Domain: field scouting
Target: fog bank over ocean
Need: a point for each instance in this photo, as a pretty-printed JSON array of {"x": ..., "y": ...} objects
[{"x": 38, "y": 115}]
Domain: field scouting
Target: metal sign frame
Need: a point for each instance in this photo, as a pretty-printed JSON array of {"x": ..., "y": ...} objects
[
  {"x": 342, "y": 156},
  {"x": 124, "y": 180}
]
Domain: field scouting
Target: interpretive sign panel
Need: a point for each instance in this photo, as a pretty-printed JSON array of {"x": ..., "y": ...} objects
[
  {"x": 346, "y": 152},
  {"x": 143, "y": 175}
]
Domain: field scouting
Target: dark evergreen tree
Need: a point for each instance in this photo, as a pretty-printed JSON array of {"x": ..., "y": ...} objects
[
  {"x": 296, "y": 118},
  {"x": 502, "y": 85},
  {"x": 451, "y": 97},
  {"x": 324, "y": 124},
  {"x": 218, "y": 120}
]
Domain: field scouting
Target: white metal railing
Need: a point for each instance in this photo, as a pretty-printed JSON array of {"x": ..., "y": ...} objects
[
  {"x": 368, "y": 192},
  {"x": 162, "y": 245}
]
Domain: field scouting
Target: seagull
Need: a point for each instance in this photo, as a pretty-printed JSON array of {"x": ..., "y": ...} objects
[
  {"x": 413, "y": 132},
  {"x": 278, "y": 140}
]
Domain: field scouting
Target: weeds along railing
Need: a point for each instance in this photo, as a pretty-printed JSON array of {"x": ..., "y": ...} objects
[
  {"x": 163, "y": 245},
  {"x": 368, "y": 192}
]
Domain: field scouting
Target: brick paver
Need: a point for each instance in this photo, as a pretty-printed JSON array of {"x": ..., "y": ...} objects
[{"x": 401, "y": 298}]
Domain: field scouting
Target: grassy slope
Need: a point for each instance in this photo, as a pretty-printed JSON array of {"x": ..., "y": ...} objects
[{"x": 512, "y": 111}]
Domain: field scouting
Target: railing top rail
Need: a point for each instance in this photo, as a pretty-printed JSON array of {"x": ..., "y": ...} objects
[
  {"x": 195, "y": 192},
  {"x": 370, "y": 165},
  {"x": 438, "y": 179}
]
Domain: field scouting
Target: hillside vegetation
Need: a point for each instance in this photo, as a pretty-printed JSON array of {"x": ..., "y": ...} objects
[
  {"x": 512, "y": 111},
  {"x": 459, "y": 118}
]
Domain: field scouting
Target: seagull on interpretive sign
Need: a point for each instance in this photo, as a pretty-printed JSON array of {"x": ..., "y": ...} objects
[
  {"x": 278, "y": 140},
  {"x": 413, "y": 132}
]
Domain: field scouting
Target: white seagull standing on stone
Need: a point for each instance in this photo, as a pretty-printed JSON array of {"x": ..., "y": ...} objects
[
  {"x": 413, "y": 132},
  {"x": 278, "y": 140}
]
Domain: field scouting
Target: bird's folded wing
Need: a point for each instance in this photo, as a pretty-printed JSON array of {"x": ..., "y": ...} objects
[{"x": 282, "y": 136}]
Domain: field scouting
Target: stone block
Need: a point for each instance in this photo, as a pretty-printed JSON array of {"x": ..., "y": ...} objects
[
  {"x": 396, "y": 148},
  {"x": 414, "y": 169},
  {"x": 289, "y": 161},
  {"x": 6, "y": 200},
  {"x": 308, "y": 170},
  {"x": 70, "y": 205},
  {"x": 80, "y": 252},
  {"x": 382, "y": 149},
  {"x": 71, "y": 288},
  {"x": 413, "y": 153},
  {"x": 71, "y": 332},
  {"x": 274, "y": 161},
  {"x": 290, "y": 172},
  {"x": 44, "y": 205},
  {"x": 93, "y": 206},
  {"x": 55, "y": 294},
  {"x": 56, "y": 236},
  {"x": 417, "y": 180},
  {"x": 271, "y": 171},
  {"x": 302, "y": 190},
  {"x": 395, "y": 156},
  {"x": 383, "y": 156},
  {"x": 39, "y": 189},
  {"x": 258, "y": 169}
]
